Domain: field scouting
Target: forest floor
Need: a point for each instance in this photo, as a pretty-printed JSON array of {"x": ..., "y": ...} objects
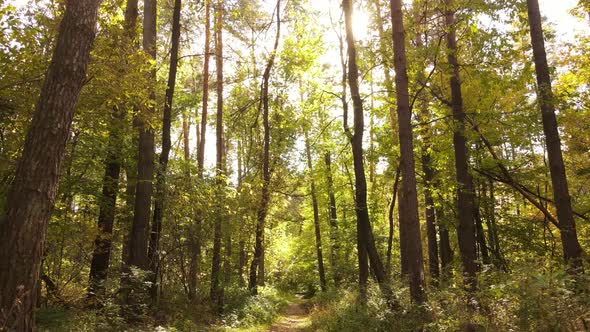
[{"x": 295, "y": 318}]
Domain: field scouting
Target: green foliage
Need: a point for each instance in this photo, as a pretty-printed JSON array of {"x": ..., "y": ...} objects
[{"x": 244, "y": 310}]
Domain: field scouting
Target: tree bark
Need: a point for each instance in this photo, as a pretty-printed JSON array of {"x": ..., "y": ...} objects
[
  {"x": 138, "y": 242},
  {"x": 103, "y": 242},
  {"x": 408, "y": 200},
  {"x": 216, "y": 292},
  {"x": 465, "y": 192},
  {"x": 23, "y": 227},
  {"x": 390, "y": 214},
  {"x": 107, "y": 206},
  {"x": 258, "y": 258},
  {"x": 366, "y": 242},
  {"x": 426, "y": 159},
  {"x": 333, "y": 221},
  {"x": 444, "y": 247},
  {"x": 572, "y": 252},
  {"x": 316, "y": 217},
  {"x": 160, "y": 199}
]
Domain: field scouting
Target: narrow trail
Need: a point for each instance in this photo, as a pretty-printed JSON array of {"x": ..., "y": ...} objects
[{"x": 295, "y": 318}]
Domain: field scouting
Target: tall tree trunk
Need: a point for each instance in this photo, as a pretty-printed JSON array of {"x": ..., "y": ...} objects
[
  {"x": 216, "y": 292},
  {"x": 366, "y": 241},
  {"x": 137, "y": 293},
  {"x": 103, "y": 242},
  {"x": 316, "y": 216},
  {"x": 572, "y": 252},
  {"x": 333, "y": 221},
  {"x": 408, "y": 203},
  {"x": 258, "y": 258},
  {"x": 107, "y": 206},
  {"x": 138, "y": 242},
  {"x": 195, "y": 260},
  {"x": 33, "y": 191},
  {"x": 159, "y": 204},
  {"x": 465, "y": 192},
  {"x": 426, "y": 158}
]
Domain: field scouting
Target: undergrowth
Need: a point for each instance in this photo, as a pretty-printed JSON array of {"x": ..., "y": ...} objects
[
  {"x": 525, "y": 300},
  {"x": 172, "y": 314}
]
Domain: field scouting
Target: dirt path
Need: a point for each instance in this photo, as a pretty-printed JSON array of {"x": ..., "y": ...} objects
[{"x": 296, "y": 318}]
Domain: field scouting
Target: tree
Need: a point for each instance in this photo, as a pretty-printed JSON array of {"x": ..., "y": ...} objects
[
  {"x": 316, "y": 215},
  {"x": 216, "y": 287},
  {"x": 194, "y": 268},
  {"x": 408, "y": 204},
  {"x": 465, "y": 191},
  {"x": 333, "y": 220},
  {"x": 366, "y": 242},
  {"x": 139, "y": 262},
  {"x": 572, "y": 252},
  {"x": 258, "y": 257},
  {"x": 110, "y": 183},
  {"x": 23, "y": 227},
  {"x": 160, "y": 197}
]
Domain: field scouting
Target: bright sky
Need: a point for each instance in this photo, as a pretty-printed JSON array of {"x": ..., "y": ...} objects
[{"x": 555, "y": 10}]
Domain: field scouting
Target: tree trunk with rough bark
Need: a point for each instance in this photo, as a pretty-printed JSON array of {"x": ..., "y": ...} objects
[
  {"x": 408, "y": 201},
  {"x": 107, "y": 206},
  {"x": 465, "y": 192},
  {"x": 138, "y": 265},
  {"x": 366, "y": 242},
  {"x": 160, "y": 199},
  {"x": 572, "y": 252},
  {"x": 33, "y": 191}
]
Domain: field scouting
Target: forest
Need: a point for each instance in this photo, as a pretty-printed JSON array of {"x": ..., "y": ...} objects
[{"x": 294, "y": 165}]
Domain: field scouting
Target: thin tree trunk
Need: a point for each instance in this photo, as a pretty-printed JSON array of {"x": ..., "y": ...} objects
[
  {"x": 33, "y": 191},
  {"x": 366, "y": 242},
  {"x": 195, "y": 260},
  {"x": 131, "y": 179},
  {"x": 572, "y": 252},
  {"x": 138, "y": 242},
  {"x": 481, "y": 239},
  {"x": 333, "y": 221},
  {"x": 430, "y": 214},
  {"x": 103, "y": 242},
  {"x": 316, "y": 217},
  {"x": 466, "y": 204},
  {"x": 446, "y": 253},
  {"x": 426, "y": 158},
  {"x": 391, "y": 221},
  {"x": 258, "y": 258},
  {"x": 408, "y": 204},
  {"x": 203, "y": 124},
  {"x": 159, "y": 204},
  {"x": 216, "y": 292},
  {"x": 110, "y": 187}
]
